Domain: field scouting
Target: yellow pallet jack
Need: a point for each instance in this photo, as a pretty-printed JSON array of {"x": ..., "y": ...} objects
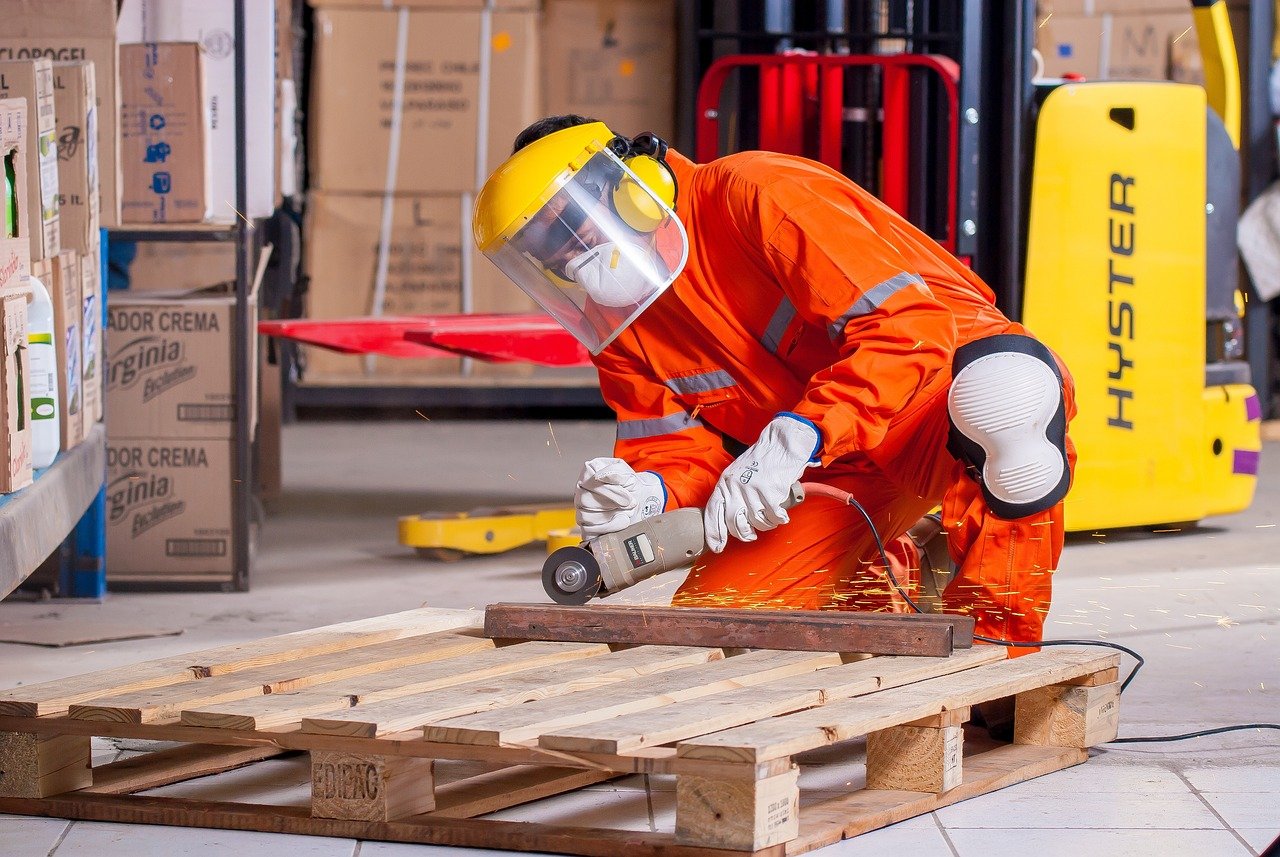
[{"x": 451, "y": 537}]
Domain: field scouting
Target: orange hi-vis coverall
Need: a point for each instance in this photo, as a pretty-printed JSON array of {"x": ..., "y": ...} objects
[{"x": 805, "y": 293}]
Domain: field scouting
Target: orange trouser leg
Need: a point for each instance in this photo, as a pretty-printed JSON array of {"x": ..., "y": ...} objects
[{"x": 1004, "y": 575}]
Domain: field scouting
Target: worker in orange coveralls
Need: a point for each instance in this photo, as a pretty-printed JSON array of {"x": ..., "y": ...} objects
[{"x": 766, "y": 305}]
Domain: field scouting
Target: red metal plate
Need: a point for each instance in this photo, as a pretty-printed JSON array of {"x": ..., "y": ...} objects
[{"x": 495, "y": 337}]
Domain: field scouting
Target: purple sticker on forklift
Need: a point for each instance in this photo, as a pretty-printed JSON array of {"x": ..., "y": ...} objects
[
  {"x": 1246, "y": 462},
  {"x": 1252, "y": 408}
]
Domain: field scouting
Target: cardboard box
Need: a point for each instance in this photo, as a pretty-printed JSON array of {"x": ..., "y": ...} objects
[
  {"x": 33, "y": 80},
  {"x": 423, "y": 270},
  {"x": 613, "y": 61},
  {"x": 211, "y": 23},
  {"x": 169, "y": 506},
  {"x": 1185, "y": 62},
  {"x": 1091, "y": 8},
  {"x": 15, "y": 408},
  {"x": 91, "y": 351},
  {"x": 15, "y": 248},
  {"x": 75, "y": 30},
  {"x": 75, "y": 106},
  {"x": 418, "y": 122},
  {"x": 164, "y": 140},
  {"x": 1111, "y": 47},
  {"x": 1151, "y": 45},
  {"x": 425, "y": 274},
  {"x": 61, "y": 276},
  {"x": 170, "y": 366},
  {"x": 477, "y": 5},
  {"x": 167, "y": 266}
]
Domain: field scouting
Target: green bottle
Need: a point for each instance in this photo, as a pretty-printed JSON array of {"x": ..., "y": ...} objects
[{"x": 10, "y": 198}]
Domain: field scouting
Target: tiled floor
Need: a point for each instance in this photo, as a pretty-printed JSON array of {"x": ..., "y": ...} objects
[{"x": 1201, "y": 605}]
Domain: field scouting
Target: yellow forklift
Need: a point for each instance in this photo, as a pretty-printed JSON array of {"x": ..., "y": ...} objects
[{"x": 1131, "y": 275}]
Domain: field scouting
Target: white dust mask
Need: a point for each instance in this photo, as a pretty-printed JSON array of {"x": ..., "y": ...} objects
[{"x": 614, "y": 275}]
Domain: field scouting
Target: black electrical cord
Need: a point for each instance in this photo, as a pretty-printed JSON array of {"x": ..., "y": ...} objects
[
  {"x": 1156, "y": 739},
  {"x": 849, "y": 499}
]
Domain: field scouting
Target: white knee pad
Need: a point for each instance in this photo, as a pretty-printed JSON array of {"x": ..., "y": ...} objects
[{"x": 1008, "y": 423}]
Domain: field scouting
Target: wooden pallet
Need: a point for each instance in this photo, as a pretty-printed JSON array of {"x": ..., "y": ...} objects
[{"x": 377, "y": 703}]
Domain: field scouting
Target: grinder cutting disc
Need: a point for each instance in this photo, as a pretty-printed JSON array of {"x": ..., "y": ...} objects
[{"x": 571, "y": 575}]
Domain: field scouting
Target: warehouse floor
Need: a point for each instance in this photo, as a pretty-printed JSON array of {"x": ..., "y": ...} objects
[{"x": 1202, "y": 605}]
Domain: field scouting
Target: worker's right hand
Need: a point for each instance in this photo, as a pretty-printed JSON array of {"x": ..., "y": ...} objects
[{"x": 611, "y": 496}]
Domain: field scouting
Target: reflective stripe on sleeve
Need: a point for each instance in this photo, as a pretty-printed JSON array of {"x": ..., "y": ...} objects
[
  {"x": 639, "y": 429},
  {"x": 717, "y": 379},
  {"x": 782, "y": 316},
  {"x": 873, "y": 298}
]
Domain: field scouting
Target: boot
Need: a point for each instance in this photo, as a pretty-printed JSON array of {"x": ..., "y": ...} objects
[{"x": 936, "y": 567}]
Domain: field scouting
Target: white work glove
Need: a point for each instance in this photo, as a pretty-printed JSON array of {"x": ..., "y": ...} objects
[
  {"x": 751, "y": 491},
  {"x": 611, "y": 496}
]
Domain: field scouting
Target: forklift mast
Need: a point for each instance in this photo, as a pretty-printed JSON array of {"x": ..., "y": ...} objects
[{"x": 991, "y": 42}]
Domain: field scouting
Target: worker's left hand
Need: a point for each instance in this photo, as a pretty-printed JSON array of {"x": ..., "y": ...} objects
[{"x": 750, "y": 494}]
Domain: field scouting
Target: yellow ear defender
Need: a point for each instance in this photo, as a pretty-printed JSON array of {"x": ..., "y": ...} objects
[{"x": 646, "y": 156}]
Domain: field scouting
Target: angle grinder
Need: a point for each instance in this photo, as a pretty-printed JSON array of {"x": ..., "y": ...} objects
[{"x": 615, "y": 561}]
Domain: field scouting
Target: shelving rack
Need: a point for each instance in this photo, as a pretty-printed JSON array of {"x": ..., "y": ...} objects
[
  {"x": 245, "y": 235},
  {"x": 67, "y": 499}
]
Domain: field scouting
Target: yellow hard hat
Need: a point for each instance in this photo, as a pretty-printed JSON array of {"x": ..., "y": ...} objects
[{"x": 517, "y": 189}]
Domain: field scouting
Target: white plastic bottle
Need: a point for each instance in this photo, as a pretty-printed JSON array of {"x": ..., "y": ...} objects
[{"x": 42, "y": 377}]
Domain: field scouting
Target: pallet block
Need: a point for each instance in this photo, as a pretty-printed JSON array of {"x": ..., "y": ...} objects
[
  {"x": 35, "y": 765},
  {"x": 390, "y": 710}
]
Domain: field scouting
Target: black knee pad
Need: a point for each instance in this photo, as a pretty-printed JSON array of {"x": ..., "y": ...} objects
[{"x": 1009, "y": 423}]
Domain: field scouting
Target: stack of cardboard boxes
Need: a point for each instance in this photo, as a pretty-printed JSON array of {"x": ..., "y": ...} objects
[
  {"x": 178, "y": 140},
  {"x": 1125, "y": 39},
  {"x": 48, "y": 139},
  {"x": 33, "y": 80},
  {"x": 15, "y": 268},
  {"x": 78, "y": 130},
  {"x": 414, "y": 103},
  {"x": 76, "y": 31},
  {"x": 76, "y": 106},
  {"x": 170, "y": 445}
]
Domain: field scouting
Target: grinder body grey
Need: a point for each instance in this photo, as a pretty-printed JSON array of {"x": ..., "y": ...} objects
[{"x": 615, "y": 561}]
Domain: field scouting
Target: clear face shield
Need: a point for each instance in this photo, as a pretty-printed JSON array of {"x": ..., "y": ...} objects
[{"x": 597, "y": 251}]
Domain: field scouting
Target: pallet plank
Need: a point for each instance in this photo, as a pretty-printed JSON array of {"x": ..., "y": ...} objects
[
  {"x": 870, "y": 809},
  {"x": 507, "y": 787},
  {"x": 417, "y": 711},
  {"x": 794, "y": 630},
  {"x": 163, "y": 704},
  {"x": 54, "y": 697},
  {"x": 807, "y": 730},
  {"x": 526, "y": 722},
  {"x": 734, "y": 708},
  {"x": 271, "y": 712},
  {"x": 173, "y": 765},
  {"x": 648, "y": 760},
  {"x": 423, "y": 829}
]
